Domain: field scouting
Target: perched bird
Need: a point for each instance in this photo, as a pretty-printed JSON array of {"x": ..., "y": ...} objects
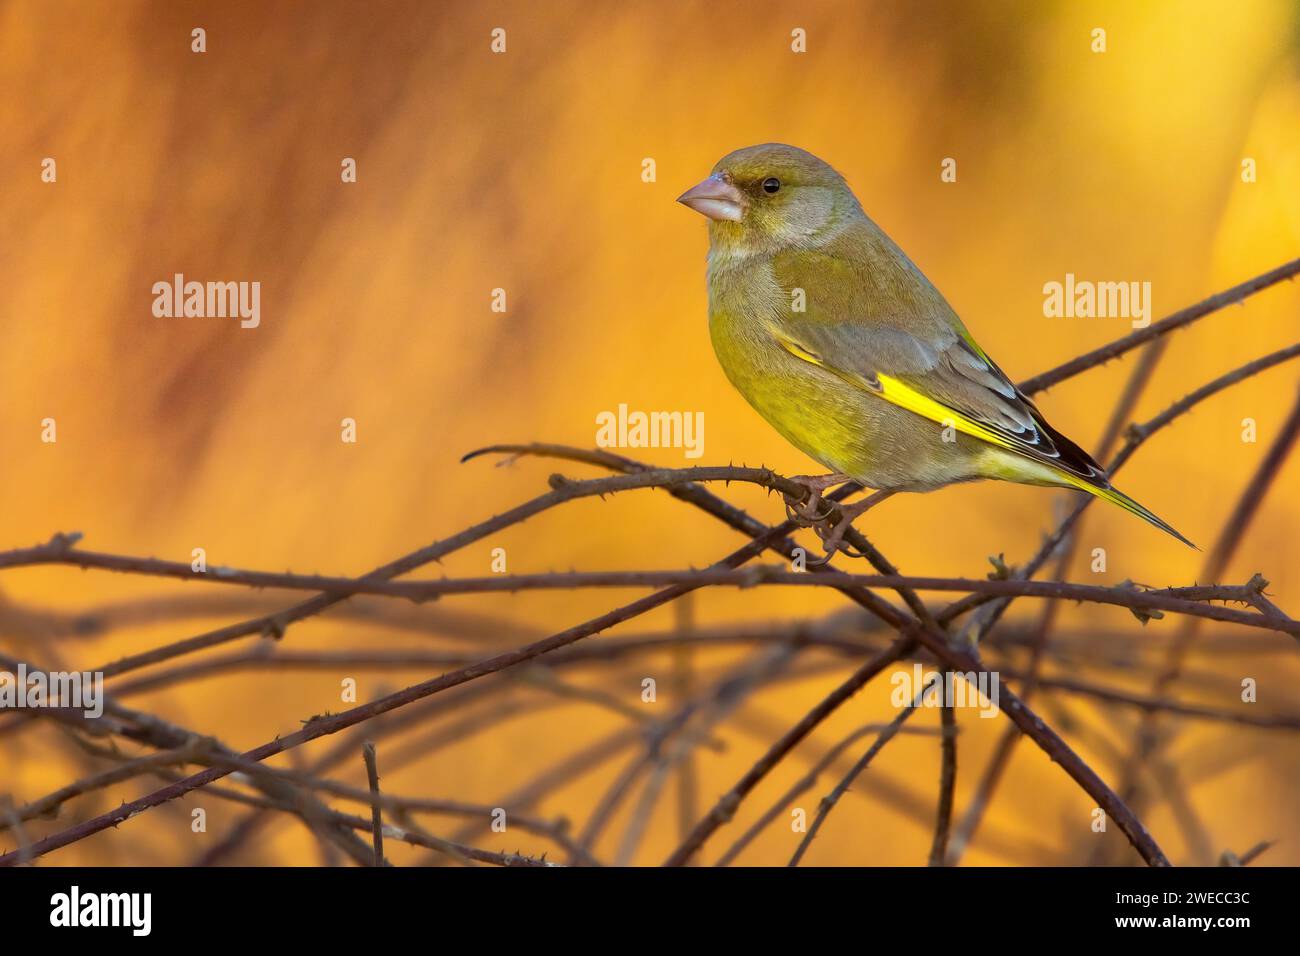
[{"x": 832, "y": 334}]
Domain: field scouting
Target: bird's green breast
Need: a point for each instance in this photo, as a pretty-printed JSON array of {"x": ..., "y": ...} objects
[
  {"x": 812, "y": 409},
  {"x": 836, "y": 423}
]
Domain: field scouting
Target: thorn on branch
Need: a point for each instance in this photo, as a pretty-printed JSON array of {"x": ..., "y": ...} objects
[
  {"x": 64, "y": 542},
  {"x": 1000, "y": 570}
]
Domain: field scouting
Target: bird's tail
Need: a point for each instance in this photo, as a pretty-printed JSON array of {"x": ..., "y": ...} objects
[{"x": 1117, "y": 497}]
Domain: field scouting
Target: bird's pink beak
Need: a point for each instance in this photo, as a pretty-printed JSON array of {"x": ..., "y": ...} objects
[{"x": 716, "y": 198}]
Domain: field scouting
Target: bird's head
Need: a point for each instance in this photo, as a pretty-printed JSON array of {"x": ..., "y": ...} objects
[{"x": 770, "y": 197}]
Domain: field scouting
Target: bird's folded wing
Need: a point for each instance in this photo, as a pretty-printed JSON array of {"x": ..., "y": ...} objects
[{"x": 948, "y": 380}]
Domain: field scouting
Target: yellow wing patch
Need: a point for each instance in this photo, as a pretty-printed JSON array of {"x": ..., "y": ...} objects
[
  {"x": 799, "y": 352},
  {"x": 904, "y": 396}
]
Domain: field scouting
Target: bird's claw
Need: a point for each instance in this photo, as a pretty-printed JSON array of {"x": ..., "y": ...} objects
[
  {"x": 806, "y": 511},
  {"x": 833, "y": 539}
]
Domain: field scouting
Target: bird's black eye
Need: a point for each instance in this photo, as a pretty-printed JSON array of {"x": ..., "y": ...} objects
[{"x": 771, "y": 184}]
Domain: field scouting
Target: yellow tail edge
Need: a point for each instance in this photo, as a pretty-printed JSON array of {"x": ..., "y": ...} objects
[{"x": 1117, "y": 497}]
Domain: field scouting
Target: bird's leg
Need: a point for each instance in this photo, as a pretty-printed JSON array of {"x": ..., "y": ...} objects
[
  {"x": 805, "y": 510},
  {"x": 833, "y": 540}
]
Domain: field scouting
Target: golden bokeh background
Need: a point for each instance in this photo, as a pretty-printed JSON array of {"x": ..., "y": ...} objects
[{"x": 523, "y": 171}]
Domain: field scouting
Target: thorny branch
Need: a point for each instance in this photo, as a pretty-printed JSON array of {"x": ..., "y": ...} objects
[{"x": 919, "y": 632}]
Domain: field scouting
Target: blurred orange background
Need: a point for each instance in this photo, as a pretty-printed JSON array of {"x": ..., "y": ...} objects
[{"x": 522, "y": 171}]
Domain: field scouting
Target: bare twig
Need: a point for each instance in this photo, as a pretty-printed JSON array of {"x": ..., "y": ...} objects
[
  {"x": 1250, "y": 856},
  {"x": 919, "y": 633},
  {"x": 997, "y": 764},
  {"x": 947, "y": 784},
  {"x": 330, "y": 724},
  {"x": 1176, "y": 600},
  {"x": 1234, "y": 529},
  {"x": 1178, "y": 320},
  {"x": 725, "y": 808},
  {"x": 1137, "y": 435},
  {"x": 828, "y": 802},
  {"x": 376, "y": 816},
  {"x": 48, "y": 805},
  {"x": 802, "y": 785},
  {"x": 9, "y": 813}
]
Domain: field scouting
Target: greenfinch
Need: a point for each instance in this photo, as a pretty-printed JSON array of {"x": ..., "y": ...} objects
[{"x": 832, "y": 334}]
